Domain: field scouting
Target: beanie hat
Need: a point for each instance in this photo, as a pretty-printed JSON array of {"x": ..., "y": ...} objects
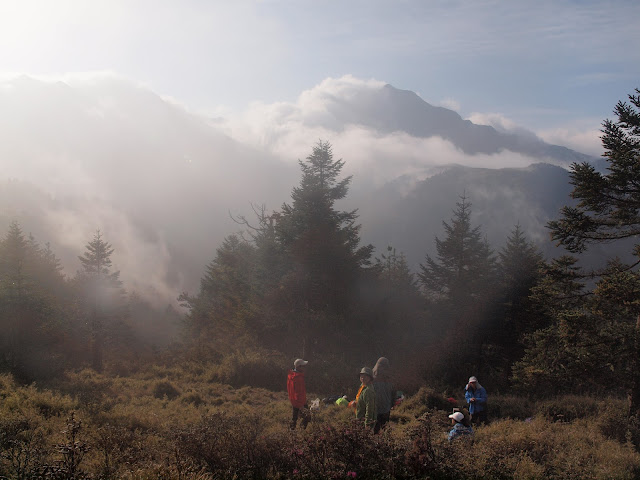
[{"x": 299, "y": 363}]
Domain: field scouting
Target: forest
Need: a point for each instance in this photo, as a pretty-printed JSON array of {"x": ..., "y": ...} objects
[{"x": 87, "y": 392}]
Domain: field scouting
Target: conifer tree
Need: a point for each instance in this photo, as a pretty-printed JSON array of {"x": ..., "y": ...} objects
[
  {"x": 321, "y": 242},
  {"x": 101, "y": 293},
  {"x": 583, "y": 347},
  {"x": 221, "y": 307},
  {"x": 31, "y": 314},
  {"x": 464, "y": 263},
  {"x": 518, "y": 271},
  {"x": 608, "y": 210}
]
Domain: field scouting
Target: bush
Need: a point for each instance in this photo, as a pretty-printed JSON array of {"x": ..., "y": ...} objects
[
  {"x": 165, "y": 389},
  {"x": 568, "y": 408},
  {"x": 255, "y": 368},
  {"x": 510, "y": 406}
]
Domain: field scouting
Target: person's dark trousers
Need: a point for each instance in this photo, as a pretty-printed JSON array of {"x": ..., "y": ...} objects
[
  {"x": 302, "y": 412},
  {"x": 381, "y": 421},
  {"x": 480, "y": 417}
]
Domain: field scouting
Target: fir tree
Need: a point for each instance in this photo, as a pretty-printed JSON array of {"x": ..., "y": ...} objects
[
  {"x": 464, "y": 263},
  {"x": 101, "y": 292},
  {"x": 321, "y": 242},
  {"x": 608, "y": 210},
  {"x": 31, "y": 313}
]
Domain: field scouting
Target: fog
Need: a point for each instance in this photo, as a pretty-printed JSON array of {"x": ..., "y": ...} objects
[{"x": 161, "y": 183}]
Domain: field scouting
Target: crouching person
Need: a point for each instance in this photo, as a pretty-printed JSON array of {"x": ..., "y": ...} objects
[{"x": 459, "y": 428}]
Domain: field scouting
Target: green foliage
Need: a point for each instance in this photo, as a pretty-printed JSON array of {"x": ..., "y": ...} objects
[
  {"x": 464, "y": 266},
  {"x": 101, "y": 296},
  {"x": 608, "y": 210},
  {"x": 321, "y": 243},
  {"x": 32, "y": 312}
]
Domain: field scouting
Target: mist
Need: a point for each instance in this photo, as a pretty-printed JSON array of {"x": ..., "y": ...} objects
[{"x": 163, "y": 184}]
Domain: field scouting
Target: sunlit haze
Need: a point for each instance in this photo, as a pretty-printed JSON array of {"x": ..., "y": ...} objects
[{"x": 155, "y": 113}]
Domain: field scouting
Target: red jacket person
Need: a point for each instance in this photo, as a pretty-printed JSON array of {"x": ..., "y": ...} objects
[{"x": 298, "y": 393}]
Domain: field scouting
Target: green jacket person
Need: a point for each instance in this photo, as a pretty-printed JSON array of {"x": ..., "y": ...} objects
[{"x": 366, "y": 406}]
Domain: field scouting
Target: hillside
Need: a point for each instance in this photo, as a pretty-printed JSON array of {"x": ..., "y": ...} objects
[{"x": 163, "y": 183}]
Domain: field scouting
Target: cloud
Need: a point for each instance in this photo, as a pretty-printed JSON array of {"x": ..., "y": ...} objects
[
  {"x": 451, "y": 104},
  {"x": 325, "y": 112},
  {"x": 502, "y": 124},
  {"x": 108, "y": 153},
  {"x": 577, "y": 137}
]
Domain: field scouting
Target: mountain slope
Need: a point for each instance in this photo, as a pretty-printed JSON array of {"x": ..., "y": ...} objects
[
  {"x": 389, "y": 110},
  {"x": 161, "y": 182}
]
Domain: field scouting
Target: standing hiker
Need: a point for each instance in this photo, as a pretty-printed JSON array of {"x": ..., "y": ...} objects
[
  {"x": 366, "y": 400},
  {"x": 385, "y": 393},
  {"x": 476, "y": 397},
  {"x": 298, "y": 394}
]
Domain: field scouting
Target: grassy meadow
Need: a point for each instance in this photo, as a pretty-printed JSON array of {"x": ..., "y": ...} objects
[{"x": 183, "y": 423}]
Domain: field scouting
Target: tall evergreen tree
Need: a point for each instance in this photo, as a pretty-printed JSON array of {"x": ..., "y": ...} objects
[
  {"x": 460, "y": 283},
  {"x": 518, "y": 272},
  {"x": 222, "y": 307},
  {"x": 102, "y": 295},
  {"x": 30, "y": 312},
  {"x": 583, "y": 348},
  {"x": 608, "y": 210},
  {"x": 464, "y": 263},
  {"x": 322, "y": 243}
]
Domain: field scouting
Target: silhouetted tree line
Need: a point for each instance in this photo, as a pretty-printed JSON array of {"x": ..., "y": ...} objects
[{"x": 298, "y": 281}]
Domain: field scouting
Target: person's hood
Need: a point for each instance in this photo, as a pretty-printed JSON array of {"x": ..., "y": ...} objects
[{"x": 381, "y": 368}]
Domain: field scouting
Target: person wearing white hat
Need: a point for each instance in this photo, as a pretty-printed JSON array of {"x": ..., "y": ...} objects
[
  {"x": 459, "y": 429},
  {"x": 298, "y": 394},
  {"x": 476, "y": 397}
]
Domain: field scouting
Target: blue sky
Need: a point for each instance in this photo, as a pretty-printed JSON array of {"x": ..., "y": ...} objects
[{"x": 541, "y": 64}]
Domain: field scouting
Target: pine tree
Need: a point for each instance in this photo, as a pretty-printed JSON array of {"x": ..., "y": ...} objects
[
  {"x": 102, "y": 294},
  {"x": 608, "y": 210},
  {"x": 583, "y": 347},
  {"x": 464, "y": 263},
  {"x": 518, "y": 272},
  {"x": 221, "y": 308},
  {"x": 31, "y": 312},
  {"x": 321, "y": 242}
]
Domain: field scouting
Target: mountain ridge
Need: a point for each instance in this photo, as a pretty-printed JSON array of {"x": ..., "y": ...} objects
[{"x": 156, "y": 178}]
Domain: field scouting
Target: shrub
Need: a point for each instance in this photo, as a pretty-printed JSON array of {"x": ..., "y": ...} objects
[
  {"x": 510, "y": 406},
  {"x": 425, "y": 400},
  {"x": 223, "y": 443},
  {"x": 262, "y": 369},
  {"x": 568, "y": 408},
  {"x": 165, "y": 389}
]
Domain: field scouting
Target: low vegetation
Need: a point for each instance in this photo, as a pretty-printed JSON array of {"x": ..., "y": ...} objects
[
  {"x": 177, "y": 424},
  {"x": 87, "y": 392}
]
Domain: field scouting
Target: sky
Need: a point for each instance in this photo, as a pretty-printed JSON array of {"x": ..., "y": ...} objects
[
  {"x": 271, "y": 74},
  {"x": 555, "y": 67}
]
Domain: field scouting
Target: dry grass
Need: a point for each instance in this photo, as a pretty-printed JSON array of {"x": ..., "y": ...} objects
[{"x": 178, "y": 423}]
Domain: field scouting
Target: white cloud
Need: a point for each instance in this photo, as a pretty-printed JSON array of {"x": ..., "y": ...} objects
[
  {"x": 451, "y": 104},
  {"x": 289, "y": 130},
  {"x": 580, "y": 138},
  {"x": 502, "y": 123}
]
